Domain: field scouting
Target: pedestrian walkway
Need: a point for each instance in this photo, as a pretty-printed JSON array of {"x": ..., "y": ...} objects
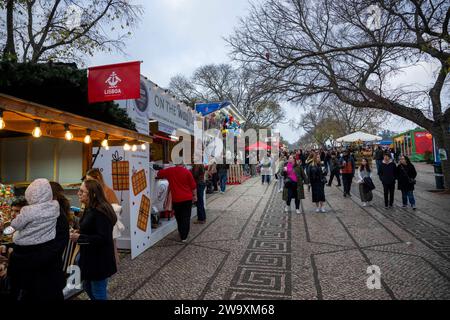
[{"x": 251, "y": 249}]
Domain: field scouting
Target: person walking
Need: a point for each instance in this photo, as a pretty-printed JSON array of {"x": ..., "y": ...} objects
[
  {"x": 198, "y": 172},
  {"x": 347, "y": 164},
  {"x": 317, "y": 181},
  {"x": 334, "y": 170},
  {"x": 388, "y": 176},
  {"x": 222, "y": 171},
  {"x": 95, "y": 237},
  {"x": 365, "y": 173},
  {"x": 266, "y": 169},
  {"x": 406, "y": 175},
  {"x": 280, "y": 173},
  {"x": 295, "y": 179},
  {"x": 184, "y": 191},
  {"x": 379, "y": 155}
]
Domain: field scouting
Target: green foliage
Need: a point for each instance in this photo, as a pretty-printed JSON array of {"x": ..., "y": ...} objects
[{"x": 60, "y": 86}]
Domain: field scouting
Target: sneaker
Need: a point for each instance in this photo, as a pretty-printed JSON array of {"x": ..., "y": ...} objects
[
  {"x": 317, "y": 210},
  {"x": 298, "y": 211},
  {"x": 184, "y": 241},
  {"x": 199, "y": 222},
  {"x": 404, "y": 206},
  {"x": 286, "y": 209},
  {"x": 364, "y": 204},
  {"x": 414, "y": 208},
  {"x": 323, "y": 210},
  {"x": 386, "y": 208},
  {"x": 345, "y": 195}
]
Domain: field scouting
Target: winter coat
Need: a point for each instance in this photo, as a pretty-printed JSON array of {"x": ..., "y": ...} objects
[
  {"x": 97, "y": 258},
  {"x": 404, "y": 174},
  {"x": 334, "y": 165},
  {"x": 266, "y": 167},
  {"x": 36, "y": 223},
  {"x": 388, "y": 173},
  {"x": 301, "y": 180}
]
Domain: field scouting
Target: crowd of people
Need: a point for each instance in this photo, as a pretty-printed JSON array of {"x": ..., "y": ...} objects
[{"x": 318, "y": 168}]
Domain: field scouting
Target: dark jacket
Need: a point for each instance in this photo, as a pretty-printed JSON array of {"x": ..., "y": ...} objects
[
  {"x": 301, "y": 180},
  {"x": 388, "y": 173},
  {"x": 198, "y": 172},
  {"x": 97, "y": 260},
  {"x": 36, "y": 272},
  {"x": 334, "y": 165},
  {"x": 348, "y": 159},
  {"x": 222, "y": 169},
  {"x": 379, "y": 154},
  {"x": 404, "y": 174},
  {"x": 315, "y": 174}
]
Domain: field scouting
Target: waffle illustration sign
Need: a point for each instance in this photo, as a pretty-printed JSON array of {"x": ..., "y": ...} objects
[
  {"x": 144, "y": 214},
  {"x": 139, "y": 181},
  {"x": 120, "y": 173}
]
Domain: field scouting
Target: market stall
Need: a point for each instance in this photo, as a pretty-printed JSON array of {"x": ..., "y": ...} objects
[
  {"x": 37, "y": 141},
  {"x": 417, "y": 144}
]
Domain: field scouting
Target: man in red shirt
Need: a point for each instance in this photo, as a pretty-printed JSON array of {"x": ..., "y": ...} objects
[{"x": 184, "y": 191}]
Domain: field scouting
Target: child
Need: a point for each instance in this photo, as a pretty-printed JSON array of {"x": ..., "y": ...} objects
[{"x": 36, "y": 222}]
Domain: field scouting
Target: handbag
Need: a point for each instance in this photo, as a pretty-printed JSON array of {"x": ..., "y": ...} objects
[
  {"x": 368, "y": 183},
  {"x": 410, "y": 180}
]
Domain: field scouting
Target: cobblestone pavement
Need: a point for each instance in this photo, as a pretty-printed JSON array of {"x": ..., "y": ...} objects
[{"x": 251, "y": 249}]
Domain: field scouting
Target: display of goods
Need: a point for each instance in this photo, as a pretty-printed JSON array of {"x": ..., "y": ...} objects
[
  {"x": 139, "y": 182},
  {"x": 120, "y": 173}
]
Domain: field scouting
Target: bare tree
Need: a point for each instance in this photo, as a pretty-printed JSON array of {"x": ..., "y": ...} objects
[
  {"x": 305, "y": 48},
  {"x": 224, "y": 83},
  {"x": 66, "y": 29}
]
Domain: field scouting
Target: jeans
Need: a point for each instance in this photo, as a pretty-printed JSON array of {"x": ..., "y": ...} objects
[
  {"x": 408, "y": 195},
  {"x": 265, "y": 178},
  {"x": 215, "y": 181},
  {"x": 336, "y": 174},
  {"x": 292, "y": 194},
  {"x": 223, "y": 182},
  {"x": 280, "y": 184},
  {"x": 389, "y": 191},
  {"x": 96, "y": 290},
  {"x": 201, "y": 213},
  {"x": 347, "y": 179},
  {"x": 183, "y": 211}
]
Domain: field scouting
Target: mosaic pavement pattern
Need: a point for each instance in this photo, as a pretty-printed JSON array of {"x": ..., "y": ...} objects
[{"x": 251, "y": 249}]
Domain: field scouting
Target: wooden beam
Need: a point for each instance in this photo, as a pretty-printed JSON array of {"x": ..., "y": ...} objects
[{"x": 37, "y": 111}]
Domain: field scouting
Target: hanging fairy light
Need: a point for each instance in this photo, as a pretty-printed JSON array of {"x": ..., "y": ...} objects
[
  {"x": 143, "y": 147},
  {"x": 68, "y": 135},
  {"x": 134, "y": 148},
  {"x": 37, "y": 132},
  {"x": 2, "y": 122},
  {"x": 87, "y": 138},
  {"x": 105, "y": 142},
  {"x": 126, "y": 147}
]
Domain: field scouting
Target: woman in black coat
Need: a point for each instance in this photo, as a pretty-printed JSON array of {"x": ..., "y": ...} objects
[
  {"x": 388, "y": 173},
  {"x": 406, "y": 175},
  {"x": 317, "y": 180},
  {"x": 97, "y": 259},
  {"x": 36, "y": 272}
]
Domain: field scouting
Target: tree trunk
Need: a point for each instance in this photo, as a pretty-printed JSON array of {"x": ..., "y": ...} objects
[
  {"x": 9, "y": 51},
  {"x": 442, "y": 137}
]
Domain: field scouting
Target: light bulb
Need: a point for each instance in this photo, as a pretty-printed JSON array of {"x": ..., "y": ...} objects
[
  {"x": 88, "y": 139},
  {"x": 2, "y": 123},
  {"x": 107, "y": 148},
  {"x": 134, "y": 148},
  {"x": 143, "y": 147},
  {"x": 37, "y": 132},
  {"x": 105, "y": 143},
  {"x": 68, "y": 135},
  {"x": 126, "y": 147}
]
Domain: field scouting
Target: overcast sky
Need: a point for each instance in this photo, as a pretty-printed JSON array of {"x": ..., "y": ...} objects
[{"x": 177, "y": 36}]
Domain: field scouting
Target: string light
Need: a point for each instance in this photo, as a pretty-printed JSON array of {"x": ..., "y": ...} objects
[
  {"x": 87, "y": 138},
  {"x": 2, "y": 122},
  {"x": 37, "y": 132},
  {"x": 126, "y": 147},
  {"x": 105, "y": 142},
  {"x": 134, "y": 148},
  {"x": 68, "y": 135},
  {"x": 143, "y": 147}
]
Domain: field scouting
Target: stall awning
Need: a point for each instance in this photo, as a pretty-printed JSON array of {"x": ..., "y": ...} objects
[
  {"x": 20, "y": 115},
  {"x": 258, "y": 146},
  {"x": 359, "y": 136}
]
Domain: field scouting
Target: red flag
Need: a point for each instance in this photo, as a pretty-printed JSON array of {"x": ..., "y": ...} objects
[{"x": 114, "y": 82}]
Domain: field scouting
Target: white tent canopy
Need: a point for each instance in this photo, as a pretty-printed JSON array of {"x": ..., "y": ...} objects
[{"x": 359, "y": 136}]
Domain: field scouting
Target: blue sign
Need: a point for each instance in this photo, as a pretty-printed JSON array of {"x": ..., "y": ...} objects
[{"x": 207, "y": 108}]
